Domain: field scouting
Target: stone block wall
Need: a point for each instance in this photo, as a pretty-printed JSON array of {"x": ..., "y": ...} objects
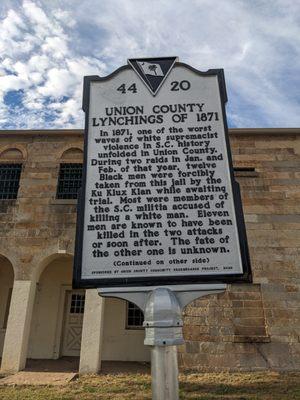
[
  {"x": 37, "y": 225},
  {"x": 253, "y": 327},
  {"x": 250, "y": 326}
]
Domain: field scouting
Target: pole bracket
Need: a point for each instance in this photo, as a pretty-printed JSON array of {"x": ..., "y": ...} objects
[{"x": 162, "y": 307}]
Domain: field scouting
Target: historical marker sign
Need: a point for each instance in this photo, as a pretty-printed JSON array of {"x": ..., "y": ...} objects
[{"x": 159, "y": 202}]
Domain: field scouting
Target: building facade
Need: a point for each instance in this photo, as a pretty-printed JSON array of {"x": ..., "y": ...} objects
[{"x": 248, "y": 327}]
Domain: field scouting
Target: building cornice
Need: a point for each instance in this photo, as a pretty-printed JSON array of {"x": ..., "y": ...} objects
[
  {"x": 264, "y": 131},
  {"x": 42, "y": 132}
]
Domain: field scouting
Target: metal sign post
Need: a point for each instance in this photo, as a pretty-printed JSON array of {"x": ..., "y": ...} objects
[
  {"x": 160, "y": 220},
  {"x": 162, "y": 306}
]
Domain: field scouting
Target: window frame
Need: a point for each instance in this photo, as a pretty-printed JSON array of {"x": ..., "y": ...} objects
[
  {"x": 67, "y": 196},
  {"x": 127, "y": 325},
  {"x": 77, "y": 303},
  {"x": 17, "y": 181}
]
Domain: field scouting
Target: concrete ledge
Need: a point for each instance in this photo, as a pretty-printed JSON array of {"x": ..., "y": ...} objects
[
  {"x": 63, "y": 202},
  {"x": 38, "y": 378},
  {"x": 251, "y": 339}
]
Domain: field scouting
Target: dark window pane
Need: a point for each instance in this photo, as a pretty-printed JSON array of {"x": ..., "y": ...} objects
[
  {"x": 77, "y": 304},
  {"x": 69, "y": 180},
  {"x": 135, "y": 316},
  {"x": 9, "y": 180}
]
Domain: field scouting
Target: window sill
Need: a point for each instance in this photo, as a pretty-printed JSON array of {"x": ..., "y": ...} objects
[
  {"x": 246, "y": 174},
  {"x": 9, "y": 201},
  {"x": 251, "y": 339},
  {"x": 135, "y": 328},
  {"x": 63, "y": 202}
]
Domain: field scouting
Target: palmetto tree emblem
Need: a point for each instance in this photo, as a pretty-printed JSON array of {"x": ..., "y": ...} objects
[
  {"x": 152, "y": 71},
  {"x": 153, "y": 68}
]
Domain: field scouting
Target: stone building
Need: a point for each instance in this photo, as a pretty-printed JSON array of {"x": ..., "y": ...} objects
[{"x": 249, "y": 327}]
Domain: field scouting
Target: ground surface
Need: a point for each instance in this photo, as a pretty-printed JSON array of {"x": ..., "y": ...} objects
[{"x": 121, "y": 386}]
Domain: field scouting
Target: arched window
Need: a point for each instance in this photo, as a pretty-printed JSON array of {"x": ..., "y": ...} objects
[{"x": 11, "y": 160}]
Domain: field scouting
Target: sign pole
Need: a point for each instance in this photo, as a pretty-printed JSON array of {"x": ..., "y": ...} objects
[
  {"x": 163, "y": 323},
  {"x": 164, "y": 373}
]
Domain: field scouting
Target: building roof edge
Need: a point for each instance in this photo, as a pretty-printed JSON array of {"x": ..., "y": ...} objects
[
  {"x": 264, "y": 131},
  {"x": 41, "y": 132}
]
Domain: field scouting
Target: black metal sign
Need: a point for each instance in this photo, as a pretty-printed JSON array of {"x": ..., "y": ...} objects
[{"x": 159, "y": 203}]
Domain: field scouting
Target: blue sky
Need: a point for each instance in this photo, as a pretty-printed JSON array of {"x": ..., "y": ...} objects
[{"x": 46, "y": 47}]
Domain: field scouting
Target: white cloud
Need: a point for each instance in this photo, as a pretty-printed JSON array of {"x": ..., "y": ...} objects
[
  {"x": 58, "y": 83},
  {"x": 12, "y": 24},
  {"x": 36, "y": 15},
  {"x": 11, "y": 82},
  {"x": 56, "y": 47},
  {"x": 39, "y": 60}
]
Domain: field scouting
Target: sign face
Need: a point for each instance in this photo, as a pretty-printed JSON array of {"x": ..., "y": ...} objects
[{"x": 159, "y": 203}]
